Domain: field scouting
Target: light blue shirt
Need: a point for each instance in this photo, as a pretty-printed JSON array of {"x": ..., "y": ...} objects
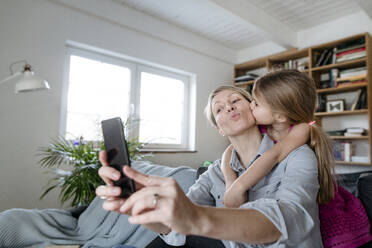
[{"x": 286, "y": 196}]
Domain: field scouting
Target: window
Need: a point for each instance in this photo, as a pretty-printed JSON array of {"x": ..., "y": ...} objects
[{"x": 101, "y": 86}]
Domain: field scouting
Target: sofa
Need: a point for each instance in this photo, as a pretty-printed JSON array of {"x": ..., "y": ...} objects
[{"x": 91, "y": 226}]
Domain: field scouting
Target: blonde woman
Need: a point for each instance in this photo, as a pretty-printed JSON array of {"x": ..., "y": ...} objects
[{"x": 282, "y": 209}]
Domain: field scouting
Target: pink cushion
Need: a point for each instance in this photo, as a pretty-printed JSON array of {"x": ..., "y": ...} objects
[{"x": 343, "y": 221}]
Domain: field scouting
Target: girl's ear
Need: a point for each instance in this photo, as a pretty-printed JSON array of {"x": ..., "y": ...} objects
[{"x": 280, "y": 118}]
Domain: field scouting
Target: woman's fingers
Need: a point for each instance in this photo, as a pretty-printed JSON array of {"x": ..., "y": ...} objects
[
  {"x": 145, "y": 204},
  {"x": 149, "y": 217},
  {"x": 113, "y": 204},
  {"x": 108, "y": 191},
  {"x": 141, "y": 196},
  {"x": 142, "y": 178},
  {"x": 107, "y": 173}
]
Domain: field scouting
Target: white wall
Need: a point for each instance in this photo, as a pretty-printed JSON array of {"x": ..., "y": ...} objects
[
  {"x": 346, "y": 26},
  {"x": 37, "y": 31}
]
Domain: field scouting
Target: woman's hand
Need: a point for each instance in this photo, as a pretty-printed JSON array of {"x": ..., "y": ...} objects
[
  {"x": 111, "y": 193},
  {"x": 161, "y": 200},
  {"x": 234, "y": 197}
]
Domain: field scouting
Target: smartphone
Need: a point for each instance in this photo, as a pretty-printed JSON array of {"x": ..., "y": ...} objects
[{"x": 117, "y": 153}]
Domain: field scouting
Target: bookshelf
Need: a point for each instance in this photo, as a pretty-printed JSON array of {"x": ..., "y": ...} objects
[{"x": 334, "y": 66}]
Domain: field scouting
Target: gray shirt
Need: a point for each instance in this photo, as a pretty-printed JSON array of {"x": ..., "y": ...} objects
[{"x": 286, "y": 196}]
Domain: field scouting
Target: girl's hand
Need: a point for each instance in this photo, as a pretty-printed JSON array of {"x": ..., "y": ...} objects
[
  {"x": 161, "y": 200},
  {"x": 234, "y": 198}
]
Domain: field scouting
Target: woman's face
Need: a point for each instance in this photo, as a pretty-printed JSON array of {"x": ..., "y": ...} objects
[{"x": 232, "y": 113}]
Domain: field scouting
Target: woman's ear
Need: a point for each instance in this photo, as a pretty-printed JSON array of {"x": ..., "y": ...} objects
[{"x": 220, "y": 131}]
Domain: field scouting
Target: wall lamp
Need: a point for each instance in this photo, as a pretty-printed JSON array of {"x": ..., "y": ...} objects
[{"x": 26, "y": 80}]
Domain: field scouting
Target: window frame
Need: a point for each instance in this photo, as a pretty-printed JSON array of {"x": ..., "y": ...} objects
[
  {"x": 136, "y": 67},
  {"x": 185, "y": 124}
]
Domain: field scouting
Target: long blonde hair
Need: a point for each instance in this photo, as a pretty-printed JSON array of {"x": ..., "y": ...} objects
[
  {"x": 208, "y": 109},
  {"x": 293, "y": 94}
]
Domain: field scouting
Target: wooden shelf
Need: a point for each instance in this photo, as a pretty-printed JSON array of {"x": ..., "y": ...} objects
[
  {"x": 313, "y": 54},
  {"x": 364, "y": 137},
  {"x": 344, "y": 88},
  {"x": 347, "y": 112},
  {"x": 346, "y": 64}
]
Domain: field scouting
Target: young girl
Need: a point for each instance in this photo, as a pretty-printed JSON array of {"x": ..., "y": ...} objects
[{"x": 284, "y": 103}]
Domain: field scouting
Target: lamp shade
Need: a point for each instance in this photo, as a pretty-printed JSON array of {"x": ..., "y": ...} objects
[{"x": 29, "y": 82}]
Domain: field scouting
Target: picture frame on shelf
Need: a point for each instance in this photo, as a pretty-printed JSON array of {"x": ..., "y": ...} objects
[{"x": 335, "y": 105}]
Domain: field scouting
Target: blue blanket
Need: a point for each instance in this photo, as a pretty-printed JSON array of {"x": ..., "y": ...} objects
[{"x": 95, "y": 228}]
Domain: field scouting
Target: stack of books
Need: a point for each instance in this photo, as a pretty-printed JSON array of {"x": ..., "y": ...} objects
[
  {"x": 355, "y": 132},
  {"x": 351, "y": 50},
  {"x": 352, "y": 76},
  {"x": 336, "y": 132}
]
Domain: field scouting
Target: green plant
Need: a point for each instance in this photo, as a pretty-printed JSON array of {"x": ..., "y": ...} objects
[{"x": 79, "y": 178}]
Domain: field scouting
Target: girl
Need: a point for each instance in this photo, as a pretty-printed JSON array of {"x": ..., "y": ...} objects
[{"x": 281, "y": 98}]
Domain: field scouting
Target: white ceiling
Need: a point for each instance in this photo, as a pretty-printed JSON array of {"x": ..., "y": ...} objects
[{"x": 239, "y": 24}]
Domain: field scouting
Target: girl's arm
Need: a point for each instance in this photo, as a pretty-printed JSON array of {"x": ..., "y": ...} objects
[
  {"x": 228, "y": 173},
  {"x": 298, "y": 136}
]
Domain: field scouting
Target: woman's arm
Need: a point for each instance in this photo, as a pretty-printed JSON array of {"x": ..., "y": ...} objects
[
  {"x": 228, "y": 173},
  {"x": 176, "y": 211},
  {"x": 297, "y": 137}
]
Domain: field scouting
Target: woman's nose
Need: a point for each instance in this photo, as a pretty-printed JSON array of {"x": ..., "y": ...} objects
[{"x": 230, "y": 108}]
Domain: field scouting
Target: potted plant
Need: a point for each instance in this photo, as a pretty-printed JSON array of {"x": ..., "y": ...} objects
[{"x": 74, "y": 166}]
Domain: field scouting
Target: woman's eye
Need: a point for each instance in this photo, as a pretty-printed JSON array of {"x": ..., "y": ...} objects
[
  {"x": 236, "y": 100},
  {"x": 218, "y": 110}
]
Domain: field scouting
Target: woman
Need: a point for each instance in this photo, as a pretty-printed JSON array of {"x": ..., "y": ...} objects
[{"x": 282, "y": 209}]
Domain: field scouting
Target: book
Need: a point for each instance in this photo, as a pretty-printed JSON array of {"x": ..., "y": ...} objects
[
  {"x": 352, "y": 78},
  {"x": 352, "y": 134},
  {"x": 355, "y": 102},
  {"x": 333, "y": 75},
  {"x": 339, "y": 132},
  {"x": 328, "y": 58},
  {"x": 347, "y": 152},
  {"x": 334, "y": 55},
  {"x": 322, "y": 57},
  {"x": 244, "y": 78},
  {"x": 354, "y": 83},
  {"x": 351, "y": 44},
  {"x": 339, "y": 54},
  {"x": 355, "y": 130},
  {"x": 351, "y": 47},
  {"x": 338, "y": 150},
  {"x": 353, "y": 72},
  {"x": 362, "y": 102},
  {"x": 322, "y": 102},
  {"x": 351, "y": 56}
]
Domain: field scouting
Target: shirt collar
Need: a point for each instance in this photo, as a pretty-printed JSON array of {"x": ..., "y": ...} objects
[{"x": 265, "y": 145}]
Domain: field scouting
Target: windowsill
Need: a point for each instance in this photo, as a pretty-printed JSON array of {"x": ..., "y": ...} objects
[{"x": 166, "y": 151}]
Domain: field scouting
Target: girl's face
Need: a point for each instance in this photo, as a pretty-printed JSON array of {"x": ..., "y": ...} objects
[
  {"x": 261, "y": 111},
  {"x": 232, "y": 113}
]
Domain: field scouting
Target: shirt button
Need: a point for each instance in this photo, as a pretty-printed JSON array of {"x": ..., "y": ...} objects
[{"x": 218, "y": 196}]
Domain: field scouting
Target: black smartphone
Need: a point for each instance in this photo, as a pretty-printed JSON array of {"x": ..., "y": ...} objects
[{"x": 117, "y": 153}]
